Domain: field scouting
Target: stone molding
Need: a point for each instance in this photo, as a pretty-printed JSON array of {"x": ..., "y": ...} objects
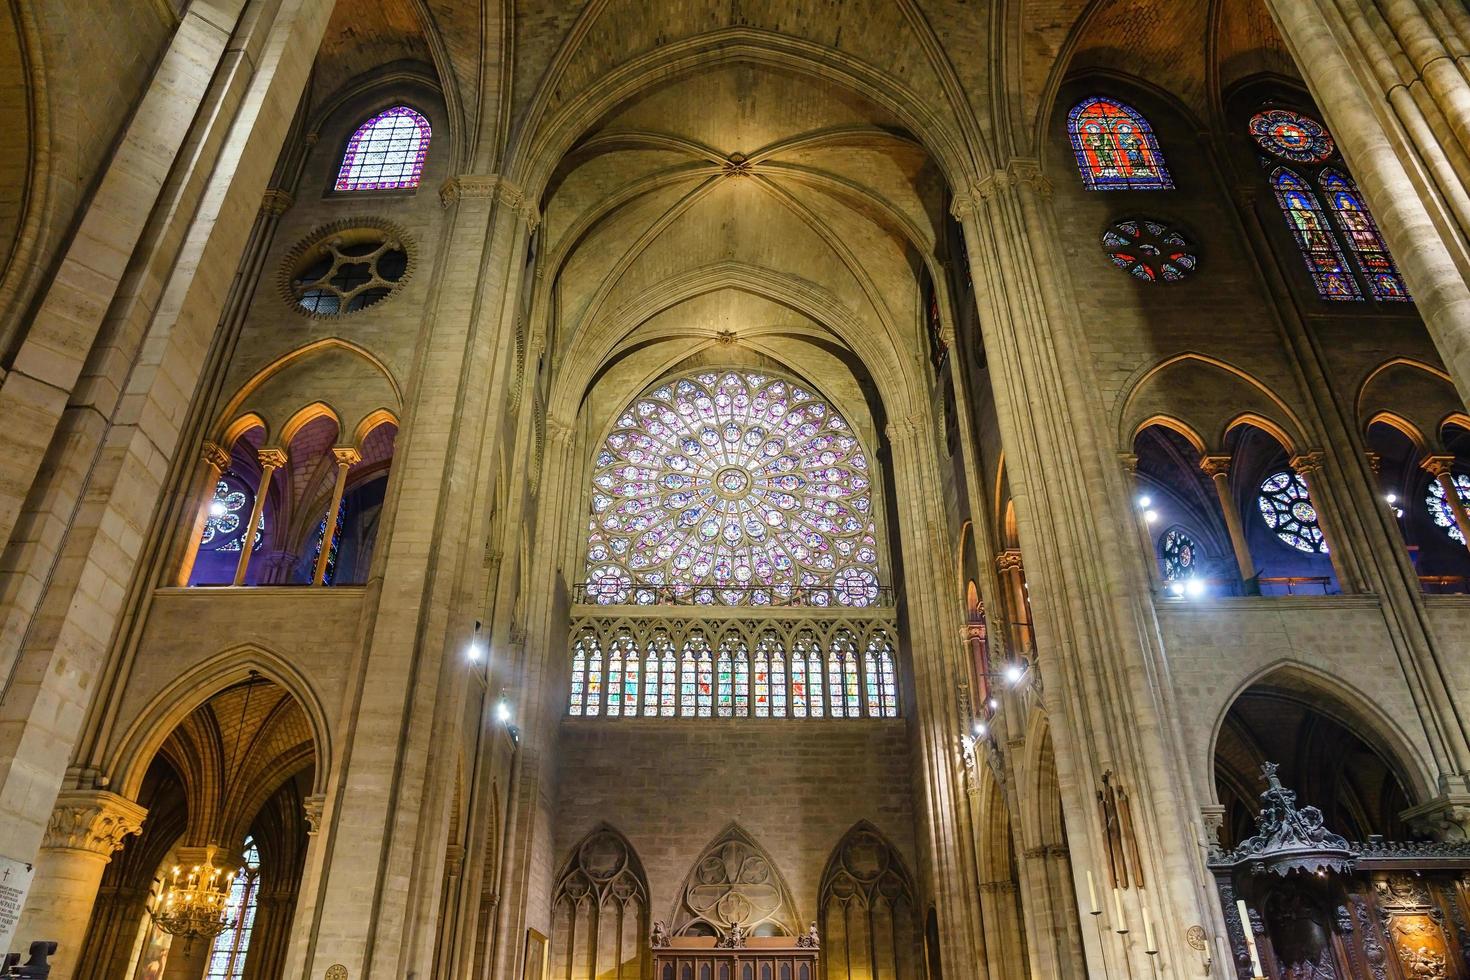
[
  {"x": 346, "y": 456},
  {"x": 216, "y": 456},
  {"x": 276, "y": 202},
  {"x": 313, "y": 807},
  {"x": 272, "y": 457},
  {"x": 1445, "y": 818},
  {"x": 463, "y": 187},
  {"x": 1437, "y": 465},
  {"x": 1308, "y": 461},
  {"x": 96, "y": 821},
  {"x": 1214, "y": 465},
  {"x": 1019, "y": 172}
]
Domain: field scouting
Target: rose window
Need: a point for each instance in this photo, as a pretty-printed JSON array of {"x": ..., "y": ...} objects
[
  {"x": 1287, "y": 509},
  {"x": 731, "y": 488},
  {"x": 1291, "y": 136},
  {"x": 1149, "y": 250}
]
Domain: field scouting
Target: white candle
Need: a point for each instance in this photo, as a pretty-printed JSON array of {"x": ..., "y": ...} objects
[
  {"x": 1092, "y": 896},
  {"x": 1149, "y": 945},
  {"x": 1250, "y": 938},
  {"x": 1122, "y": 925}
]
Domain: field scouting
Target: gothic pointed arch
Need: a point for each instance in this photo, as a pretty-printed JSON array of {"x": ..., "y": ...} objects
[
  {"x": 734, "y": 882},
  {"x": 600, "y": 911},
  {"x": 866, "y": 912}
]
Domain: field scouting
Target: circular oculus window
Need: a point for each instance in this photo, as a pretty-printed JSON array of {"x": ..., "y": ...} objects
[
  {"x": 346, "y": 268},
  {"x": 1291, "y": 136},
  {"x": 1149, "y": 250}
]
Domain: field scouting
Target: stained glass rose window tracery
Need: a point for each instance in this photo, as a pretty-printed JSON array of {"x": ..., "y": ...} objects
[
  {"x": 1291, "y": 136},
  {"x": 732, "y": 488},
  {"x": 1179, "y": 553},
  {"x": 1439, "y": 506},
  {"x": 1149, "y": 250},
  {"x": 229, "y": 510},
  {"x": 1116, "y": 148},
  {"x": 1287, "y": 509}
]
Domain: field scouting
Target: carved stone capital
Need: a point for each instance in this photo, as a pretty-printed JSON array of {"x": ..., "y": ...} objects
[
  {"x": 215, "y": 456},
  {"x": 962, "y": 205},
  {"x": 1214, "y": 465},
  {"x": 1308, "y": 461},
  {"x": 997, "y": 887},
  {"x": 1445, "y": 818},
  {"x": 96, "y": 821},
  {"x": 1129, "y": 462},
  {"x": 454, "y": 859},
  {"x": 1213, "y": 817},
  {"x": 313, "y": 807},
  {"x": 489, "y": 186},
  {"x": 1437, "y": 465},
  {"x": 276, "y": 202},
  {"x": 558, "y": 431},
  {"x": 271, "y": 457},
  {"x": 1008, "y": 561},
  {"x": 346, "y": 456},
  {"x": 1375, "y": 462}
]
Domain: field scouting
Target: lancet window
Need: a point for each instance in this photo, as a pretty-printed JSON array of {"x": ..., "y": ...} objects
[
  {"x": 1116, "y": 148},
  {"x": 386, "y": 153},
  {"x": 227, "y": 954}
]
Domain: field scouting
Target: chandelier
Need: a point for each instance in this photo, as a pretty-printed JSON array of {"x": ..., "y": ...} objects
[{"x": 194, "y": 905}]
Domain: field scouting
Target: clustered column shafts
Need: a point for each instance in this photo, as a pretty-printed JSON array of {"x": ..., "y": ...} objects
[{"x": 1217, "y": 468}]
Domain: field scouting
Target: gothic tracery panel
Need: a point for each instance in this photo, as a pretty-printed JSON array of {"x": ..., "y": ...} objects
[
  {"x": 734, "y": 883},
  {"x": 600, "y": 912},
  {"x": 867, "y": 914}
]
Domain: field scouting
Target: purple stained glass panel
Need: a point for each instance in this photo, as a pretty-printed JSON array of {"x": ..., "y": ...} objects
[{"x": 386, "y": 153}]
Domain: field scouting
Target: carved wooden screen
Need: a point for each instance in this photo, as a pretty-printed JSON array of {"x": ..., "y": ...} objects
[
  {"x": 772, "y": 958},
  {"x": 868, "y": 920},
  {"x": 734, "y": 883},
  {"x": 600, "y": 912}
]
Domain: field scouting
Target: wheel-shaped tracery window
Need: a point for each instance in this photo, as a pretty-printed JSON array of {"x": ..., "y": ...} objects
[
  {"x": 1439, "y": 505},
  {"x": 1149, "y": 250},
  {"x": 732, "y": 488},
  {"x": 1179, "y": 553},
  {"x": 229, "y": 512},
  {"x": 1288, "y": 511},
  {"x": 1291, "y": 136}
]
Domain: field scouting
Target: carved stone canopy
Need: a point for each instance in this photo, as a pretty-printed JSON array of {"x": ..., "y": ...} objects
[{"x": 1288, "y": 838}]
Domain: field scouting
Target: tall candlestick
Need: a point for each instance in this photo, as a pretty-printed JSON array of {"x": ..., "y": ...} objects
[
  {"x": 1250, "y": 938},
  {"x": 1092, "y": 907},
  {"x": 1149, "y": 946},
  {"x": 1122, "y": 925}
]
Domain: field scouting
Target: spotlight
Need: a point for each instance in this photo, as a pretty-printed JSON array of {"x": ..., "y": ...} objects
[
  {"x": 217, "y": 508},
  {"x": 993, "y": 704},
  {"x": 1176, "y": 588},
  {"x": 980, "y": 729},
  {"x": 1013, "y": 674},
  {"x": 1145, "y": 502},
  {"x": 1194, "y": 588},
  {"x": 1392, "y": 498},
  {"x": 1150, "y": 515},
  {"x": 475, "y": 652},
  {"x": 502, "y": 711}
]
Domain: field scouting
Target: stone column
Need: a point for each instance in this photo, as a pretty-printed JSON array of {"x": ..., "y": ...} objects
[
  {"x": 270, "y": 461},
  {"x": 1217, "y": 468},
  {"x": 1013, "y": 578},
  {"x": 1140, "y": 518},
  {"x": 87, "y": 827},
  {"x": 346, "y": 457},
  {"x": 216, "y": 460},
  {"x": 1404, "y": 163},
  {"x": 1310, "y": 466},
  {"x": 1442, "y": 469}
]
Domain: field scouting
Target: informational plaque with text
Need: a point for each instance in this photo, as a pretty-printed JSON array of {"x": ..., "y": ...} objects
[{"x": 15, "y": 878}]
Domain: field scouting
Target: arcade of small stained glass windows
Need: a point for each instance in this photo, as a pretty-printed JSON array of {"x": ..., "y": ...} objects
[
  {"x": 386, "y": 153},
  {"x": 1439, "y": 506},
  {"x": 732, "y": 488},
  {"x": 229, "y": 511},
  {"x": 1291, "y": 136},
  {"x": 1116, "y": 148},
  {"x": 1287, "y": 509},
  {"x": 344, "y": 270},
  {"x": 1179, "y": 554},
  {"x": 1149, "y": 250}
]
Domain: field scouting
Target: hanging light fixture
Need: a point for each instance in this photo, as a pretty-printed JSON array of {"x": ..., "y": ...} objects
[{"x": 194, "y": 904}]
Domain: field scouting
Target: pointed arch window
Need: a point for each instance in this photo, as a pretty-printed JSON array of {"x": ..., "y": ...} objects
[
  {"x": 386, "y": 153},
  {"x": 1363, "y": 238},
  {"x": 227, "y": 954},
  {"x": 1314, "y": 236},
  {"x": 1116, "y": 147}
]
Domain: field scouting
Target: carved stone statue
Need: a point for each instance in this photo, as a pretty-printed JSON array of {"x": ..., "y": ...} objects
[
  {"x": 660, "y": 936},
  {"x": 810, "y": 940},
  {"x": 734, "y": 939}
]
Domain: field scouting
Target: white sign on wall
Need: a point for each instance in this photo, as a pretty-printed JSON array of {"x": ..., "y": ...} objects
[{"x": 15, "y": 878}]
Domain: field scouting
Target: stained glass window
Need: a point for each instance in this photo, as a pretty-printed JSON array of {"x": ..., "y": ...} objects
[
  {"x": 1439, "y": 506},
  {"x": 1116, "y": 148},
  {"x": 882, "y": 684},
  {"x": 1363, "y": 237},
  {"x": 1149, "y": 250},
  {"x": 704, "y": 671},
  {"x": 1308, "y": 224},
  {"x": 1179, "y": 553},
  {"x": 386, "y": 153},
  {"x": 1291, "y": 136},
  {"x": 321, "y": 532},
  {"x": 579, "y": 673},
  {"x": 1287, "y": 508},
  {"x": 229, "y": 511},
  {"x": 669, "y": 691},
  {"x": 594, "y": 679},
  {"x": 227, "y": 953},
  {"x": 732, "y": 488}
]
